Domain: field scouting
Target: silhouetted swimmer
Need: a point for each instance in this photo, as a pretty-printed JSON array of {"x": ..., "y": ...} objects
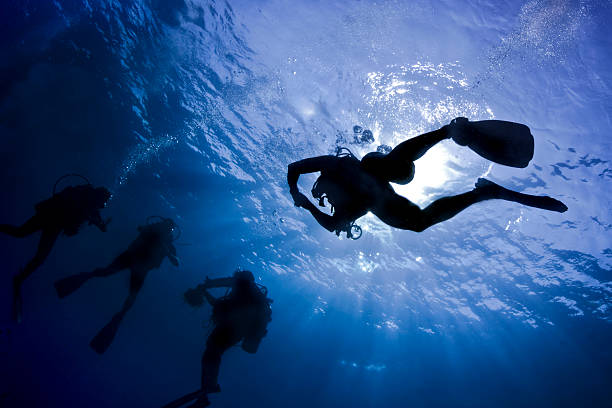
[
  {"x": 146, "y": 252},
  {"x": 65, "y": 212},
  {"x": 242, "y": 315},
  {"x": 354, "y": 187}
]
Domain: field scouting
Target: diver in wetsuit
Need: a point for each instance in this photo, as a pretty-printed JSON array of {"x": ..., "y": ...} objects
[
  {"x": 146, "y": 252},
  {"x": 65, "y": 212},
  {"x": 354, "y": 187},
  {"x": 242, "y": 315}
]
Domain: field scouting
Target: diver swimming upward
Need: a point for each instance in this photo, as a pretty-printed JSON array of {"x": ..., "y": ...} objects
[
  {"x": 65, "y": 212},
  {"x": 355, "y": 187},
  {"x": 241, "y": 316},
  {"x": 146, "y": 252}
]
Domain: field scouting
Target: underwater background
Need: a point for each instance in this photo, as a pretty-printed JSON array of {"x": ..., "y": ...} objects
[{"x": 193, "y": 109}]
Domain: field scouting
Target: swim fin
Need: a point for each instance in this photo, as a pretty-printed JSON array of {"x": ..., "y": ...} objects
[
  {"x": 199, "y": 394},
  {"x": 500, "y": 141},
  {"x": 185, "y": 399},
  {"x": 66, "y": 286},
  {"x": 543, "y": 202},
  {"x": 485, "y": 186},
  {"x": 105, "y": 337}
]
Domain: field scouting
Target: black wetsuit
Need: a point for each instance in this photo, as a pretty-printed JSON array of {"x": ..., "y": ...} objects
[
  {"x": 65, "y": 212},
  {"x": 240, "y": 316}
]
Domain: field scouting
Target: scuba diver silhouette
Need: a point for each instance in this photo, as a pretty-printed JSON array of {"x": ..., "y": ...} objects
[
  {"x": 63, "y": 212},
  {"x": 353, "y": 187},
  {"x": 146, "y": 252},
  {"x": 242, "y": 315}
]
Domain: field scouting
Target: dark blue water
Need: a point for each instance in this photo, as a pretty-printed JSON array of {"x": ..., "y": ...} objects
[{"x": 193, "y": 109}]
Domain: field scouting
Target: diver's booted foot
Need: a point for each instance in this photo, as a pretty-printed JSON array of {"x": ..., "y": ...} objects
[{"x": 17, "y": 301}]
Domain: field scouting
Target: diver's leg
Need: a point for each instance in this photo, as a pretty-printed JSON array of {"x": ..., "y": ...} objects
[
  {"x": 47, "y": 239},
  {"x": 415, "y": 148},
  {"x": 221, "y": 339},
  {"x": 119, "y": 263},
  {"x": 401, "y": 213},
  {"x": 29, "y": 227},
  {"x": 104, "y": 338},
  {"x": 70, "y": 284}
]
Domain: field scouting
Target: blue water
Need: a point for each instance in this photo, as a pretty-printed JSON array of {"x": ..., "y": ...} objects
[{"x": 192, "y": 109}]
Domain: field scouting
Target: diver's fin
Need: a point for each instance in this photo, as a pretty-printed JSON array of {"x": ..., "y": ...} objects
[
  {"x": 199, "y": 394},
  {"x": 201, "y": 402},
  {"x": 66, "y": 286},
  {"x": 502, "y": 142},
  {"x": 543, "y": 202},
  {"x": 184, "y": 399},
  {"x": 497, "y": 191},
  {"x": 17, "y": 300},
  {"x": 105, "y": 337}
]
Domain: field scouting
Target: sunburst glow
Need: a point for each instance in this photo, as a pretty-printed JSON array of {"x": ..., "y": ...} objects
[{"x": 432, "y": 172}]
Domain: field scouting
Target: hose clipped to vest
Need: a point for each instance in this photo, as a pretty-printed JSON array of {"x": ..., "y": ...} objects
[{"x": 342, "y": 151}]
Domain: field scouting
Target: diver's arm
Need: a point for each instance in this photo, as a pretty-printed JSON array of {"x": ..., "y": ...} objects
[
  {"x": 209, "y": 284},
  {"x": 309, "y": 165},
  {"x": 415, "y": 148},
  {"x": 209, "y": 298},
  {"x": 218, "y": 283},
  {"x": 330, "y": 223}
]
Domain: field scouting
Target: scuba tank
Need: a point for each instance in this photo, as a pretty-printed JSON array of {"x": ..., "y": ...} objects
[
  {"x": 251, "y": 316},
  {"x": 56, "y": 197},
  {"x": 62, "y": 207},
  {"x": 258, "y": 329}
]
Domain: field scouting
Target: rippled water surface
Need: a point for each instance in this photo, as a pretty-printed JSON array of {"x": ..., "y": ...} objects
[{"x": 193, "y": 109}]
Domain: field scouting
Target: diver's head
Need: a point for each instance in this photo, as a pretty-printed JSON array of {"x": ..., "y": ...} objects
[
  {"x": 101, "y": 195},
  {"x": 244, "y": 276},
  {"x": 390, "y": 170},
  {"x": 244, "y": 283},
  {"x": 167, "y": 224}
]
